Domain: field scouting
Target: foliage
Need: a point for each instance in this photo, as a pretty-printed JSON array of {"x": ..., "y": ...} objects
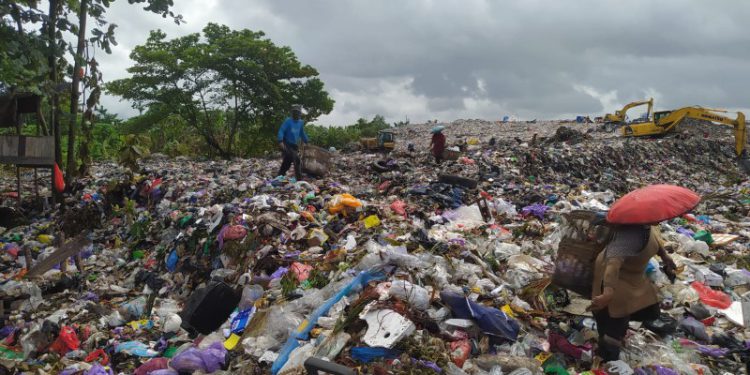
[
  {"x": 33, "y": 46},
  {"x": 224, "y": 85},
  {"x": 342, "y": 137},
  {"x": 22, "y": 58},
  {"x": 134, "y": 148}
]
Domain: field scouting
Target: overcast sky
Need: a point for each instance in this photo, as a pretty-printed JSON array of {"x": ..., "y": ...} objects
[{"x": 444, "y": 59}]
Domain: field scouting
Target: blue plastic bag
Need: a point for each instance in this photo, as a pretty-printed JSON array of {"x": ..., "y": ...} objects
[
  {"x": 489, "y": 319},
  {"x": 367, "y": 354},
  {"x": 172, "y": 259}
]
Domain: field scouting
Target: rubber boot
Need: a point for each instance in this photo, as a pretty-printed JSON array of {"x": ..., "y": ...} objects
[{"x": 609, "y": 349}]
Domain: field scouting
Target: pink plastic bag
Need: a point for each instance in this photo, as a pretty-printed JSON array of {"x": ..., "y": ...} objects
[
  {"x": 235, "y": 232},
  {"x": 713, "y": 298},
  {"x": 152, "y": 365},
  {"x": 399, "y": 207},
  {"x": 301, "y": 271}
]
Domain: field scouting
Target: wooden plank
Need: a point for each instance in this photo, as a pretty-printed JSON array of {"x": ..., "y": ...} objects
[
  {"x": 27, "y": 150},
  {"x": 66, "y": 251}
]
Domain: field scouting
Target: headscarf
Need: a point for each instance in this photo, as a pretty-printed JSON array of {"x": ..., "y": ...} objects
[{"x": 437, "y": 129}]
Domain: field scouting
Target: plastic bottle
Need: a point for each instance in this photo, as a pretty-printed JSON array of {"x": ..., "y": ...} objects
[{"x": 250, "y": 294}]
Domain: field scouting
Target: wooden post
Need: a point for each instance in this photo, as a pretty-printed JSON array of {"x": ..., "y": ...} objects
[
  {"x": 60, "y": 243},
  {"x": 27, "y": 255},
  {"x": 36, "y": 183},
  {"x": 79, "y": 262}
]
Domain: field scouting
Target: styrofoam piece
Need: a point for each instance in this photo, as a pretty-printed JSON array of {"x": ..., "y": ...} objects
[{"x": 386, "y": 327}]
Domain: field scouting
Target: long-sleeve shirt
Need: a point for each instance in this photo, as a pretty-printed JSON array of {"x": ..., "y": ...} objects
[
  {"x": 291, "y": 131},
  {"x": 438, "y": 144}
]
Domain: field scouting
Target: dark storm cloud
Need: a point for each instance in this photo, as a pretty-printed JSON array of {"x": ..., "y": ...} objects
[{"x": 472, "y": 58}]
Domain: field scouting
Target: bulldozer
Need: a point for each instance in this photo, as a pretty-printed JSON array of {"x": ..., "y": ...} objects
[
  {"x": 613, "y": 121},
  {"x": 385, "y": 142},
  {"x": 665, "y": 122}
]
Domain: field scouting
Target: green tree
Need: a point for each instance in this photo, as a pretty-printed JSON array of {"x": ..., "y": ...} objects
[
  {"x": 23, "y": 48},
  {"x": 224, "y": 84}
]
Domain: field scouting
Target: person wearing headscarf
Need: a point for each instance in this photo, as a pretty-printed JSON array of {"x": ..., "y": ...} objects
[
  {"x": 290, "y": 134},
  {"x": 437, "y": 143},
  {"x": 621, "y": 290}
]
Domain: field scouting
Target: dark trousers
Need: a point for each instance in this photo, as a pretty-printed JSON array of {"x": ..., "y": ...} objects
[
  {"x": 291, "y": 156},
  {"x": 612, "y": 330}
]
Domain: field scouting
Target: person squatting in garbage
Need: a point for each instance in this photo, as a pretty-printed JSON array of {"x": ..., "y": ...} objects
[
  {"x": 290, "y": 133},
  {"x": 621, "y": 290},
  {"x": 437, "y": 143}
]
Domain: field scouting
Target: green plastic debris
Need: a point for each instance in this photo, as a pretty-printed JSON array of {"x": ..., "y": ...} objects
[
  {"x": 309, "y": 196},
  {"x": 703, "y": 235},
  {"x": 184, "y": 220},
  {"x": 138, "y": 254},
  {"x": 6, "y": 353},
  {"x": 170, "y": 352},
  {"x": 555, "y": 369}
]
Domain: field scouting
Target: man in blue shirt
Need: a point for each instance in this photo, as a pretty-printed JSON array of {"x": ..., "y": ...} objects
[{"x": 290, "y": 133}]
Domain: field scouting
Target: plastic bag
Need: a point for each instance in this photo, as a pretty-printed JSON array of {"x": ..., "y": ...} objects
[
  {"x": 66, "y": 341},
  {"x": 417, "y": 296},
  {"x": 367, "y": 354},
  {"x": 205, "y": 360},
  {"x": 235, "y": 232},
  {"x": 372, "y": 221},
  {"x": 504, "y": 250},
  {"x": 59, "y": 179},
  {"x": 712, "y": 297},
  {"x": 399, "y": 207},
  {"x": 301, "y": 271},
  {"x": 460, "y": 351},
  {"x": 135, "y": 348},
  {"x": 152, "y": 365},
  {"x": 343, "y": 201},
  {"x": 98, "y": 369},
  {"x": 505, "y": 208},
  {"x": 491, "y": 320}
]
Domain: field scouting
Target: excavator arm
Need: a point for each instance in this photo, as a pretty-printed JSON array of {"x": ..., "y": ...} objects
[
  {"x": 619, "y": 116},
  {"x": 673, "y": 119}
]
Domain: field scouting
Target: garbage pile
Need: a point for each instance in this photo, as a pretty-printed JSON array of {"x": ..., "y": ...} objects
[{"x": 386, "y": 265}]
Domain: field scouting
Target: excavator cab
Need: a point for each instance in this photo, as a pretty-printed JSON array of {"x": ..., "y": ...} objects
[
  {"x": 661, "y": 114},
  {"x": 614, "y": 121}
]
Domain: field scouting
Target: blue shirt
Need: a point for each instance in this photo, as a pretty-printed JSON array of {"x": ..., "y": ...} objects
[{"x": 291, "y": 131}]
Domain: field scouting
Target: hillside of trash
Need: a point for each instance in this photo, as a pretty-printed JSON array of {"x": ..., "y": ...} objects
[{"x": 387, "y": 264}]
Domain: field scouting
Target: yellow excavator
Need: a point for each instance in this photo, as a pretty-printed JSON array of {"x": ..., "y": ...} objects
[
  {"x": 667, "y": 121},
  {"x": 612, "y": 121}
]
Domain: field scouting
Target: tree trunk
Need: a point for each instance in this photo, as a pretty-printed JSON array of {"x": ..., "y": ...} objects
[
  {"x": 52, "y": 63},
  {"x": 71, "y": 165},
  {"x": 235, "y": 123}
]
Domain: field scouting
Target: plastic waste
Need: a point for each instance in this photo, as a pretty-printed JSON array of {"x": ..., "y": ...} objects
[
  {"x": 619, "y": 368},
  {"x": 135, "y": 348},
  {"x": 250, "y": 294},
  {"x": 152, "y": 365},
  {"x": 372, "y": 221},
  {"x": 368, "y": 354},
  {"x": 712, "y": 297},
  {"x": 489, "y": 319},
  {"x": 417, "y": 296},
  {"x": 206, "y": 360},
  {"x": 342, "y": 201},
  {"x": 398, "y": 206}
]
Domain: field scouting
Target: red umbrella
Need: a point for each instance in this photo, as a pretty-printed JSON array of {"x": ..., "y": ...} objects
[{"x": 652, "y": 204}]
